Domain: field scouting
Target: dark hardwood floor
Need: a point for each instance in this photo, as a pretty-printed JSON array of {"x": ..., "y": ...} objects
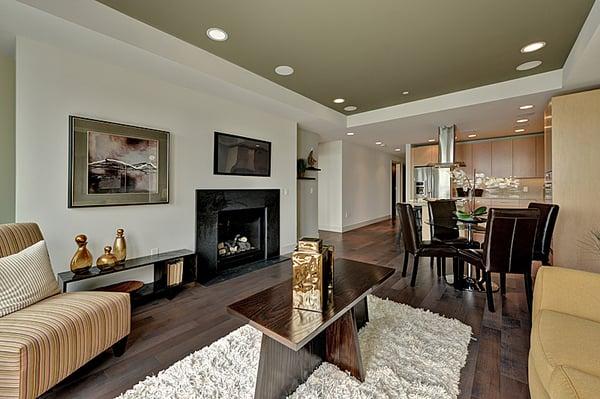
[{"x": 165, "y": 331}]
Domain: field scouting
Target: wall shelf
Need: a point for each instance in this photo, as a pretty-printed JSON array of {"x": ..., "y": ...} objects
[
  {"x": 306, "y": 178},
  {"x": 311, "y": 168}
]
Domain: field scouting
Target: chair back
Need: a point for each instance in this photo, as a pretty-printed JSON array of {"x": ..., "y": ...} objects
[
  {"x": 543, "y": 237},
  {"x": 15, "y": 237},
  {"x": 410, "y": 230},
  {"x": 509, "y": 240},
  {"x": 442, "y": 215}
]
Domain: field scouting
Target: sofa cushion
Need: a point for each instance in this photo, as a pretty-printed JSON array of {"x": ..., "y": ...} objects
[
  {"x": 570, "y": 383},
  {"x": 562, "y": 342},
  {"x": 26, "y": 278},
  {"x": 45, "y": 342}
]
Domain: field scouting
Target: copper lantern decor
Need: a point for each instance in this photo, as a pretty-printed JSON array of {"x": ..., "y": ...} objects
[{"x": 312, "y": 277}]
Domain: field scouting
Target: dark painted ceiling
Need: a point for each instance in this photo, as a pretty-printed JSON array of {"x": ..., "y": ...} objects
[{"x": 370, "y": 51}]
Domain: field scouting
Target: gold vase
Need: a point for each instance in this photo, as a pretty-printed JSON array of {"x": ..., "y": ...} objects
[
  {"x": 82, "y": 259},
  {"x": 106, "y": 261},
  {"x": 120, "y": 246}
]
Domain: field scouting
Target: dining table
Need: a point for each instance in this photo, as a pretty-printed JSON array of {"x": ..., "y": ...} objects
[{"x": 459, "y": 279}]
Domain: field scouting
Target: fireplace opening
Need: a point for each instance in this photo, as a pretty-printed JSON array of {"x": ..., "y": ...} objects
[{"x": 240, "y": 237}]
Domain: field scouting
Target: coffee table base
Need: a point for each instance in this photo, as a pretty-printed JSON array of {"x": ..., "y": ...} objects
[{"x": 281, "y": 370}]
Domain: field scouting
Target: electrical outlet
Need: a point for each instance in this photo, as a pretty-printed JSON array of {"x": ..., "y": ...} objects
[
  {"x": 311, "y": 190},
  {"x": 154, "y": 251},
  {"x": 285, "y": 191},
  {"x": 346, "y": 214},
  {"x": 525, "y": 189}
]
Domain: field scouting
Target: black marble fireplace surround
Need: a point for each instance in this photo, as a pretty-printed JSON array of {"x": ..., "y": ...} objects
[{"x": 220, "y": 215}]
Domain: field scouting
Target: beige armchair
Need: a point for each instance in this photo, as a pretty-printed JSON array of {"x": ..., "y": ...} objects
[{"x": 42, "y": 344}]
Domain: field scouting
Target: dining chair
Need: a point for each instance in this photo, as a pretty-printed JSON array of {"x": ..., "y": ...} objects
[
  {"x": 543, "y": 237},
  {"x": 413, "y": 243},
  {"x": 444, "y": 228},
  {"x": 507, "y": 248}
]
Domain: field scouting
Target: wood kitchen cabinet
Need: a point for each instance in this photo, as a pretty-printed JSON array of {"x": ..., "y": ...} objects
[
  {"x": 502, "y": 158},
  {"x": 464, "y": 153},
  {"x": 540, "y": 156},
  {"x": 482, "y": 157},
  {"x": 424, "y": 155},
  {"x": 524, "y": 160}
]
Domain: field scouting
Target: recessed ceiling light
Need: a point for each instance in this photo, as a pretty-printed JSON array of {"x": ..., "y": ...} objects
[
  {"x": 472, "y": 135},
  {"x": 350, "y": 134},
  {"x": 530, "y": 48},
  {"x": 350, "y": 108},
  {"x": 404, "y": 93},
  {"x": 524, "y": 120},
  {"x": 397, "y": 149},
  {"x": 526, "y": 107},
  {"x": 526, "y": 66},
  {"x": 217, "y": 34},
  {"x": 378, "y": 142},
  {"x": 284, "y": 70},
  {"x": 519, "y": 130},
  {"x": 339, "y": 100},
  {"x": 431, "y": 140}
]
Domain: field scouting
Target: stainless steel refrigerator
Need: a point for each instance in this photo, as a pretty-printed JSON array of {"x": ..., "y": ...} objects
[{"x": 432, "y": 182}]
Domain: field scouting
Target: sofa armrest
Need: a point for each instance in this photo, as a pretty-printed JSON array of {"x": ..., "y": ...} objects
[{"x": 569, "y": 291}]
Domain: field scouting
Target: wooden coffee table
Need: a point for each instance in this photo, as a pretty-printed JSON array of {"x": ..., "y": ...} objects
[{"x": 295, "y": 341}]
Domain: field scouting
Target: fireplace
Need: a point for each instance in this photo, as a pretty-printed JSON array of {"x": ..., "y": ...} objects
[
  {"x": 240, "y": 236},
  {"x": 235, "y": 229}
]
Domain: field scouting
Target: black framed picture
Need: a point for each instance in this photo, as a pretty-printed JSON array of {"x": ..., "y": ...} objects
[
  {"x": 115, "y": 164},
  {"x": 241, "y": 156}
]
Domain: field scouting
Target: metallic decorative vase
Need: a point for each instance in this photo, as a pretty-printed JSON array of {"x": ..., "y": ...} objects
[
  {"x": 106, "y": 261},
  {"x": 312, "y": 276},
  {"x": 82, "y": 259},
  {"x": 120, "y": 246}
]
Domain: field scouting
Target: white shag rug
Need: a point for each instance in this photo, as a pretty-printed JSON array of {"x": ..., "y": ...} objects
[{"x": 406, "y": 352}]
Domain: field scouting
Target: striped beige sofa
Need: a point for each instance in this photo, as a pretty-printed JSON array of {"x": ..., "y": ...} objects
[{"x": 42, "y": 344}]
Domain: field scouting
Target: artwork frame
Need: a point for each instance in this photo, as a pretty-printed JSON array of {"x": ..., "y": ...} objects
[
  {"x": 217, "y": 160},
  {"x": 114, "y": 164}
]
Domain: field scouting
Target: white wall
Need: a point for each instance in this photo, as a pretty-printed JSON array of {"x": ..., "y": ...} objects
[
  {"x": 53, "y": 84},
  {"x": 330, "y": 186},
  {"x": 308, "y": 190},
  {"x": 7, "y": 139},
  {"x": 355, "y": 186},
  {"x": 367, "y": 186}
]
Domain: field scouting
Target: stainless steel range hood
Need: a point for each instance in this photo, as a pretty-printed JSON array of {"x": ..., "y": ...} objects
[{"x": 446, "y": 148}]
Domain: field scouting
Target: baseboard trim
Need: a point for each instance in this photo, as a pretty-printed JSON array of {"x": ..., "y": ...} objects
[
  {"x": 287, "y": 249},
  {"x": 334, "y": 229},
  {"x": 365, "y": 223}
]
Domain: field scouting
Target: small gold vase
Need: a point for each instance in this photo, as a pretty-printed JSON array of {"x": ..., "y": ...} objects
[
  {"x": 120, "y": 246},
  {"x": 82, "y": 259},
  {"x": 106, "y": 261}
]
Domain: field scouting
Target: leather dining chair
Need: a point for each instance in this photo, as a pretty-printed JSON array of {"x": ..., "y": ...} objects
[
  {"x": 444, "y": 228},
  {"x": 508, "y": 248},
  {"x": 413, "y": 244},
  {"x": 543, "y": 238}
]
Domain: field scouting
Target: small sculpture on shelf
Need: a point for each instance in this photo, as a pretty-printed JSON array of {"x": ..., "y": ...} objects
[
  {"x": 312, "y": 275},
  {"x": 312, "y": 161},
  {"x": 107, "y": 260},
  {"x": 82, "y": 259},
  {"x": 120, "y": 246}
]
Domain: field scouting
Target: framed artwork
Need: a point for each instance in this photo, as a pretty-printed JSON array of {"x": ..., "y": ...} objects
[
  {"x": 114, "y": 164},
  {"x": 241, "y": 156}
]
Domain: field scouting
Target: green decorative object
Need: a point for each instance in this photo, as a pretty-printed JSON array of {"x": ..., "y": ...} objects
[{"x": 301, "y": 165}]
